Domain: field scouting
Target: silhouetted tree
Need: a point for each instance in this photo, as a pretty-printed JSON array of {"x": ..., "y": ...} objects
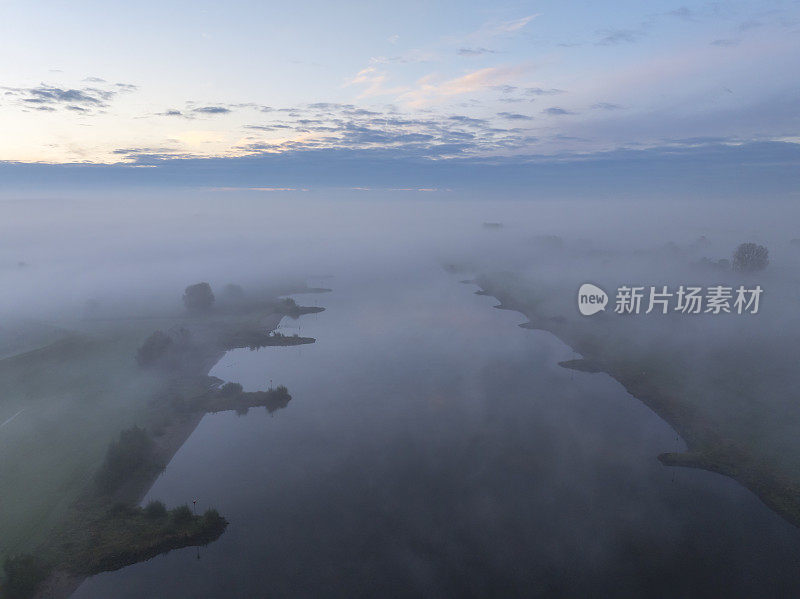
[
  {"x": 153, "y": 349},
  {"x": 155, "y": 510},
  {"x": 198, "y": 297},
  {"x": 230, "y": 389},
  {"x": 750, "y": 257},
  {"x": 182, "y": 514},
  {"x": 133, "y": 452}
]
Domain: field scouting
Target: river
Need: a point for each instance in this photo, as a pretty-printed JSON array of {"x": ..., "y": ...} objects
[{"x": 434, "y": 448}]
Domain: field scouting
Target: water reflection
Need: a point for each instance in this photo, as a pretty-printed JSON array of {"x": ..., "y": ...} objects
[{"x": 434, "y": 448}]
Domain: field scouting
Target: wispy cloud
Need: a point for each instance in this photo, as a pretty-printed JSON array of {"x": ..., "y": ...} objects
[
  {"x": 475, "y": 51},
  {"x": 612, "y": 37},
  {"x": 429, "y": 91},
  {"x": 82, "y": 100},
  {"x": 212, "y": 110},
  {"x": 725, "y": 42},
  {"x": 607, "y": 106},
  {"x": 513, "y": 116},
  {"x": 507, "y": 27},
  {"x": 556, "y": 111},
  {"x": 540, "y": 91},
  {"x": 374, "y": 82}
]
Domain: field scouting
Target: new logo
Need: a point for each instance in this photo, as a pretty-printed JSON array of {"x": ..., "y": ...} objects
[{"x": 591, "y": 299}]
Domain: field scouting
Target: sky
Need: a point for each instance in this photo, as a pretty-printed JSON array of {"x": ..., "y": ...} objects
[{"x": 161, "y": 84}]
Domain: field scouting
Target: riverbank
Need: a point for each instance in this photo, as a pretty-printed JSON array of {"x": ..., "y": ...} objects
[
  {"x": 719, "y": 436},
  {"x": 169, "y": 407}
]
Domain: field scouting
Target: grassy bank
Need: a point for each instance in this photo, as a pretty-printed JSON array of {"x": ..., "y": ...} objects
[
  {"x": 730, "y": 396},
  {"x": 95, "y": 417}
]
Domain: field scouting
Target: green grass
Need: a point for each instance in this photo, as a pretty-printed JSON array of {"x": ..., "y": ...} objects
[
  {"x": 64, "y": 459},
  {"x": 76, "y": 395}
]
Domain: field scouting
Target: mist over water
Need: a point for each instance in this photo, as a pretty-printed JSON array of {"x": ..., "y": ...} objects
[
  {"x": 431, "y": 447},
  {"x": 129, "y": 246}
]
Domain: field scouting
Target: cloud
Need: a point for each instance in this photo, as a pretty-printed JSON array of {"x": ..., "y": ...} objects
[
  {"x": 682, "y": 12},
  {"x": 612, "y": 37},
  {"x": 507, "y": 27},
  {"x": 326, "y": 125},
  {"x": 607, "y": 106},
  {"x": 750, "y": 24},
  {"x": 51, "y": 97},
  {"x": 211, "y": 110},
  {"x": 475, "y": 51},
  {"x": 374, "y": 81},
  {"x": 725, "y": 42},
  {"x": 467, "y": 120},
  {"x": 694, "y": 171},
  {"x": 539, "y": 91},
  {"x": 412, "y": 56},
  {"x": 84, "y": 100},
  {"x": 556, "y": 111},
  {"x": 392, "y": 39},
  {"x": 428, "y": 91},
  {"x": 513, "y": 116}
]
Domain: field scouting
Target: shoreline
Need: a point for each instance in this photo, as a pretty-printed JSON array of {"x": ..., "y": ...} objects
[
  {"x": 200, "y": 394},
  {"x": 706, "y": 449}
]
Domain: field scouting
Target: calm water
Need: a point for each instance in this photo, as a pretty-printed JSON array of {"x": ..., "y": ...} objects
[{"x": 433, "y": 448}]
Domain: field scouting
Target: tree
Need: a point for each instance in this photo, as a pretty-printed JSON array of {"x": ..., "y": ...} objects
[
  {"x": 133, "y": 452},
  {"x": 750, "y": 257},
  {"x": 198, "y": 297},
  {"x": 231, "y": 389},
  {"x": 182, "y": 514},
  {"x": 153, "y": 349},
  {"x": 155, "y": 510}
]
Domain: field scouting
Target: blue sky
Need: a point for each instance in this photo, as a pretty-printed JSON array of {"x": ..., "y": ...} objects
[{"x": 149, "y": 83}]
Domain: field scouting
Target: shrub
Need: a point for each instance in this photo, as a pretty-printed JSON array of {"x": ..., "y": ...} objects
[
  {"x": 231, "y": 389},
  {"x": 153, "y": 349},
  {"x": 211, "y": 515},
  {"x": 24, "y": 573},
  {"x": 155, "y": 510},
  {"x": 120, "y": 509},
  {"x": 198, "y": 297},
  {"x": 132, "y": 452},
  {"x": 750, "y": 257},
  {"x": 182, "y": 514}
]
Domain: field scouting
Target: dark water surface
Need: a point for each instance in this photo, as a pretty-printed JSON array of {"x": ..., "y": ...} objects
[{"x": 432, "y": 448}]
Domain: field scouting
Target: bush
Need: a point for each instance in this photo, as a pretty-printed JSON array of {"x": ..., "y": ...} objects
[
  {"x": 120, "y": 509},
  {"x": 182, "y": 514},
  {"x": 750, "y": 257},
  {"x": 155, "y": 510},
  {"x": 231, "y": 389},
  {"x": 153, "y": 349},
  {"x": 24, "y": 573},
  {"x": 198, "y": 297},
  {"x": 132, "y": 452},
  {"x": 212, "y": 518}
]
